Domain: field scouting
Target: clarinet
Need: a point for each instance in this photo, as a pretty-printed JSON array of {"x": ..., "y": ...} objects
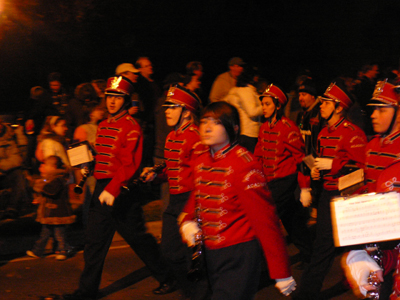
[
  {"x": 78, "y": 189},
  {"x": 197, "y": 269},
  {"x": 376, "y": 254},
  {"x": 156, "y": 168}
]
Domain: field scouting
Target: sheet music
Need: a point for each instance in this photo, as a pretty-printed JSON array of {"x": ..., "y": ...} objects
[
  {"x": 351, "y": 179},
  {"x": 79, "y": 155},
  {"x": 366, "y": 218}
]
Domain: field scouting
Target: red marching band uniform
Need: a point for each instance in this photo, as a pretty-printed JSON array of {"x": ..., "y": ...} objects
[
  {"x": 118, "y": 146},
  {"x": 235, "y": 205},
  {"x": 342, "y": 142},
  {"x": 382, "y": 171},
  {"x": 183, "y": 145},
  {"x": 281, "y": 148}
]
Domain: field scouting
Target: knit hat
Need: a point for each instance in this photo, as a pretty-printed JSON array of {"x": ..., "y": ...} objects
[{"x": 308, "y": 86}]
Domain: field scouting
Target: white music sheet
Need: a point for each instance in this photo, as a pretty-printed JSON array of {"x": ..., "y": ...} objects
[
  {"x": 365, "y": 218},
  {"x": 79, "y": 155}
]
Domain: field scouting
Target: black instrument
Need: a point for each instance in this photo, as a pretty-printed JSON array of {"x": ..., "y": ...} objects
[
  {"x": 197, "y": 269},
  {"x": 198, "y": 266},
  {"x": 78, "y": 189},
  {"x": 156, "y": 169}
]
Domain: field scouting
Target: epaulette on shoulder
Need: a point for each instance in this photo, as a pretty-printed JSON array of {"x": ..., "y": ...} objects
[
  {"x": 349, "y": 125},
  {"x": 287, "y": 123},
  {"x": 244, "y": 155},
  {"x": 131, "y": 119},
  {"x": 194, "y": 129}
]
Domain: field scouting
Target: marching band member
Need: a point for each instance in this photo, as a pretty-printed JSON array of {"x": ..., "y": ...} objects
[
  {"x": 280, "y": 149},
  {"x": 182, "y": 146},
  {"x": 119, "y": 151},
  {"x": 381, "y": 173},
  {"x": 340, "y": 142},
  {"x": 234, "y": 211}
]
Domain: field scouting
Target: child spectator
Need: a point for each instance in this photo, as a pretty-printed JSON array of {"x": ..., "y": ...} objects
[
  {"x": 52, "y": 141},
  {"x": 54, "y": 211}
]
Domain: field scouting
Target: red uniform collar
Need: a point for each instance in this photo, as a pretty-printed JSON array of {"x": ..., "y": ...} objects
[
  {"x": 183, "y": 128},
  {"x": 336, "y": 125},
  {"x": 113, "y": 119},
  {"x": 220, "y": 154},
  {"x": 390, "y": 138}
]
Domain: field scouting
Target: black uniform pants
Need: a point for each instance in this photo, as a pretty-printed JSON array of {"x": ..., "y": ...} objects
[
  {"x": 323, "y": 253},
  {"x": 291, "y": 213},
  {"x": 125, "y": 217},
  {"x": 176, "y": 252},
  {"x": 234, "y": 271}
]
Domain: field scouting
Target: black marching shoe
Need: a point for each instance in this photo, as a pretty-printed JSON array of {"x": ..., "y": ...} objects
[{"x": 166, "y": 288}]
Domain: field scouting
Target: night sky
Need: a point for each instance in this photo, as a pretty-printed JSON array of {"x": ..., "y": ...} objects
[{"x": 87, "y": 39}]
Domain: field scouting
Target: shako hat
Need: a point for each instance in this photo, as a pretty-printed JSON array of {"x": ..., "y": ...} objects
[
  {"x": 178, "y": 95},
  {"x": 274, "y": 92},
  {"x": 337, "y": 94},
  {"x": 119, "y": 86},
  {"x": 385, "y": 94}
]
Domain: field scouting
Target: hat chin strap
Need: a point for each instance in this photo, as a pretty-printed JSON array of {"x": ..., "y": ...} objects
[
  {"x": 331, "y": 115},
  {"x": 180, "y": 117},
  {"x": 389, "y": 130},
  {"x": 272, "y": 116}
]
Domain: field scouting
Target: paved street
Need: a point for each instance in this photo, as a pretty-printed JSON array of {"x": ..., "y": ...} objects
[{"x": 124, "y": 276}]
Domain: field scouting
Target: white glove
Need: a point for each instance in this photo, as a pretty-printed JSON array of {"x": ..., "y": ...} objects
[
  {"x": 323, "y": 163},
  {"x": 106, "y": 197},
  {"x": 286, "y": 285},
  {"x": 188, "y": 231},
  {"x": 360, "y": 265},
  {"x": 305, "y": 197}
]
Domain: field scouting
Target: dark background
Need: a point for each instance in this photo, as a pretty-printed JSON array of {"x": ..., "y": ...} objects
[{"x": 87, "y": 39}]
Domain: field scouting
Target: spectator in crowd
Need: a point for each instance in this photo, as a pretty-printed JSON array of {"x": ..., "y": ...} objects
[
  {"x": 52, "y": 141},
  {"x": 339, "y": 143},
  {"x": 234, "y": 228},
  {"x": 85, "y": 95},
  {"x": 293, "y": 107},
  {"x": 363, "y": 91},
  {"x": 149, "y": 91},
  {"x": 225, "y": 81},
  {"x": 310, "y": 124},
  {"x": 99, "y": 86},
  {"x": 280, "y": 149},
  {"x": 182, "y": 146},
  {"x": 367, "y": 80},
  {"x": 58, "y": 95},
  {"x": 119, "y": 151},
  {"x": 246, "y": 100},
  {"x": 194, "y": 70},
  {"x": 11, "y": 175},
  {"x": 54, "y": 211},
  {"x": 34, "y": 117},
  {"x": 131, "y": 73}
]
